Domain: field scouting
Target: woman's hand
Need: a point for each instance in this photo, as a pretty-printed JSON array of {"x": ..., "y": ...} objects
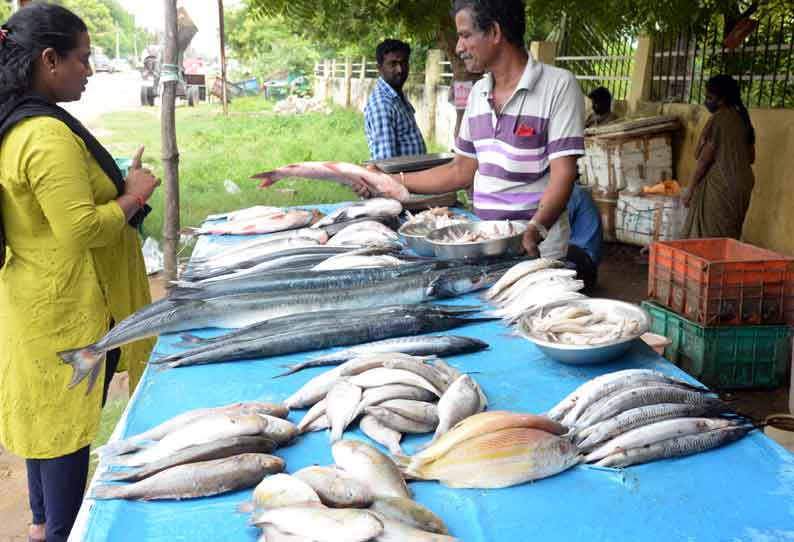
[{"x": 140, "y": 182}]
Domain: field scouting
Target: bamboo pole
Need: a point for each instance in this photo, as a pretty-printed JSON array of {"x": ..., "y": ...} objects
[
  {"x": 170, "y": 153},
  {"x": 224, "y": 97}
]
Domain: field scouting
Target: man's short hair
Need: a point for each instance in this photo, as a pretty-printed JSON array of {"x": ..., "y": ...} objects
[
  {"x": 600, "y": 94},
  {"x": 510, "y": 14},
  {"x": 391, "y": 46}
]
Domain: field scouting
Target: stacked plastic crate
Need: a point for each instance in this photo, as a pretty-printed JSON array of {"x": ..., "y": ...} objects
[{"x": 727, "y": 307}]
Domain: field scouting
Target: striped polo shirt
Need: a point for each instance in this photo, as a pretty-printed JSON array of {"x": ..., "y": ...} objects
[{"x": 542, "y": 120}]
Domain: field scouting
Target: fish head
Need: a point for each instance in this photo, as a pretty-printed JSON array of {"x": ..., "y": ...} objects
[{"x": 456, "y": 282}]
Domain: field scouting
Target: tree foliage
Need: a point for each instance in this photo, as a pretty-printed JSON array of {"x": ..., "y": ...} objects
[
  {"x": 5, "y": 9},
  {"x": 267, "y": 44}
]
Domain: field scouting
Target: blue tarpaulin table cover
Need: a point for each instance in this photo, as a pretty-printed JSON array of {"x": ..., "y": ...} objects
[{"x": 743, "y": 491}]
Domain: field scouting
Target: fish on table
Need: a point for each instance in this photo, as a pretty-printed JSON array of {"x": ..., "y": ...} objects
[{"x": 351, "y": 175}]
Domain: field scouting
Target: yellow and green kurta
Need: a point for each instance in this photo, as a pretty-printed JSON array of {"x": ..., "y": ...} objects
[{"x": 74, "y": 266}]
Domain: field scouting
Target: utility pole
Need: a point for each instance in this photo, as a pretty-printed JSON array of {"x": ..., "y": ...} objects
[
  {"x": 118, "y": 35},
  {"x": 223, "y": 60},
  {"x": 135, "y": 44}
]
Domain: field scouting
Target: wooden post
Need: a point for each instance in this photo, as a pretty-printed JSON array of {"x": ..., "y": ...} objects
[
  {"x": 224, "y": 97},
  {"x": 363, "y": 68},
  {"x": 170, "y": 153},
  {"x": 641, "y": 73},
  {"x": 328, "y": 76},
  {"x": 348, "y": 76},
  {"x": 432, "y": 81}
]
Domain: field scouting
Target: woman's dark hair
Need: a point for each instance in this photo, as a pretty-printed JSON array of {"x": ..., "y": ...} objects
[
  {"x": 509, "y": 14},
  {"x": 391, "y": 46},
  {"x": 25, "y": 35},
  {"x": 725, "y": 87}
]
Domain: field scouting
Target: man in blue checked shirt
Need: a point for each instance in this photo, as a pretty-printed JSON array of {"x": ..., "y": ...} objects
[{"x": 389, "y": 116}]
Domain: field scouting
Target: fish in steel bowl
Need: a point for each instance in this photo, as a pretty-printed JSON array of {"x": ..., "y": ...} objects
[
  {"x": 477, "y": 240},
  {"x": 418, "y": 226},
  {"x": 585, "y": 331}
]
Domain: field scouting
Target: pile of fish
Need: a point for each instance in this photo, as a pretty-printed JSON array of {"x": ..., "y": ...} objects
[
  {"x": 392, "y": 393},
  {"x": 579, "y": 326},
  {"x": 615, "y": 420},
  {"x": 431, "y": 219},
  {"x": 361, "y": 497},
  {"x": 241, "y": 288},
  {"x": 351, "y": 175},
  {"x": 490, "y": 231},
  {"x": 640, "y": 415},
  {"x": 199, "y": 453},
  {"x": 531, "y": 285}
]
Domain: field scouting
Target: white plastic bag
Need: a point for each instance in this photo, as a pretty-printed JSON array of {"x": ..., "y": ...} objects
[
  {"x": 231, "y": 187},
  {"x": 152, "y": 256}
]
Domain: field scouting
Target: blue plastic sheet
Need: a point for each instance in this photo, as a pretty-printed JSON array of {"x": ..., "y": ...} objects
[{"x": 743, "y": 491}]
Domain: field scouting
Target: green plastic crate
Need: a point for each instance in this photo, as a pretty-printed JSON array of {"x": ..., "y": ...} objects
[{"x": 725, "y": 356}]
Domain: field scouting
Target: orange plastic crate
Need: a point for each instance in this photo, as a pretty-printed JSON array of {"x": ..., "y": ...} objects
[{"x": 722, "y": 282}]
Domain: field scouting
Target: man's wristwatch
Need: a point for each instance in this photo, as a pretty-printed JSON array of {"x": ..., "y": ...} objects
[{"x": 542, "y": 230}]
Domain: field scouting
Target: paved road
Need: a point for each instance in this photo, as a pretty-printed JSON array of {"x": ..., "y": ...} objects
[{"x": 105, "y": 93}]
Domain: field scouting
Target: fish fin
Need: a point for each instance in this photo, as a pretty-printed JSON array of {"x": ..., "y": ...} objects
[
  {"x": 181, "y": 292},
  {"x": 84, "y": 362}
]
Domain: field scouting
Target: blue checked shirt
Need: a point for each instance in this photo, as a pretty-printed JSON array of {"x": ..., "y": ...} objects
[{"x": 390, "y": 124}]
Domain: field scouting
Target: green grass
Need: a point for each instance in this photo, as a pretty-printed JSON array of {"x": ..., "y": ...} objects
[{"x": 213, "y": 148}]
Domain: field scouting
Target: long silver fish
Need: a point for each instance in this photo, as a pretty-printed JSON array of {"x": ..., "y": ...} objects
[
  {"x": 216, "y": 449},
  {"x": 292, "y": 321},
  {"x": 657, "y": 432},
  {"x": 649, "y": 395},
  {"x": 200, "y": 479},
  {"x": 245, "y": 309},
  {"x": 675, "y": 447},
  {"x": 595, "y": 434},
  {"x": 270, "y": 281},
  {"x": 317, "y": 337}
]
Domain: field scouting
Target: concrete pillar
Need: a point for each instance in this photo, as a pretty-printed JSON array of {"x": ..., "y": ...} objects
[
  {"x": 348, "y": 76},
  {"x": 544, "y": 51},
  {"x": 641, "y": 81},
  {"x": 433, "y": 73}
]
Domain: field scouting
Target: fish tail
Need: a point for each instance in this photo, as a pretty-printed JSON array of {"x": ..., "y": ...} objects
[
  {"x": 118, "y": 476},
  {"x": 84, "y": 362},
  {"x": 116, "y": 448},
  {"x": 109, "y": 491}
]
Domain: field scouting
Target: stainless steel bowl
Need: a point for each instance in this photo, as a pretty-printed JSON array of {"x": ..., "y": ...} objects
[
  {"x": 589, "y": 354},
  {"x": 505, "y": 246},
  {"x": 416, "y": 241}
]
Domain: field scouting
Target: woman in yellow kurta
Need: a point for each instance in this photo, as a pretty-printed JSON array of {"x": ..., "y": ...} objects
[{"x": 73, "y": 260}]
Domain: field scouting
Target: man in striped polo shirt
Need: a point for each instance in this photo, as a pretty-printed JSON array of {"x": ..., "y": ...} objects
[{"x": 521, "y": 133}]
